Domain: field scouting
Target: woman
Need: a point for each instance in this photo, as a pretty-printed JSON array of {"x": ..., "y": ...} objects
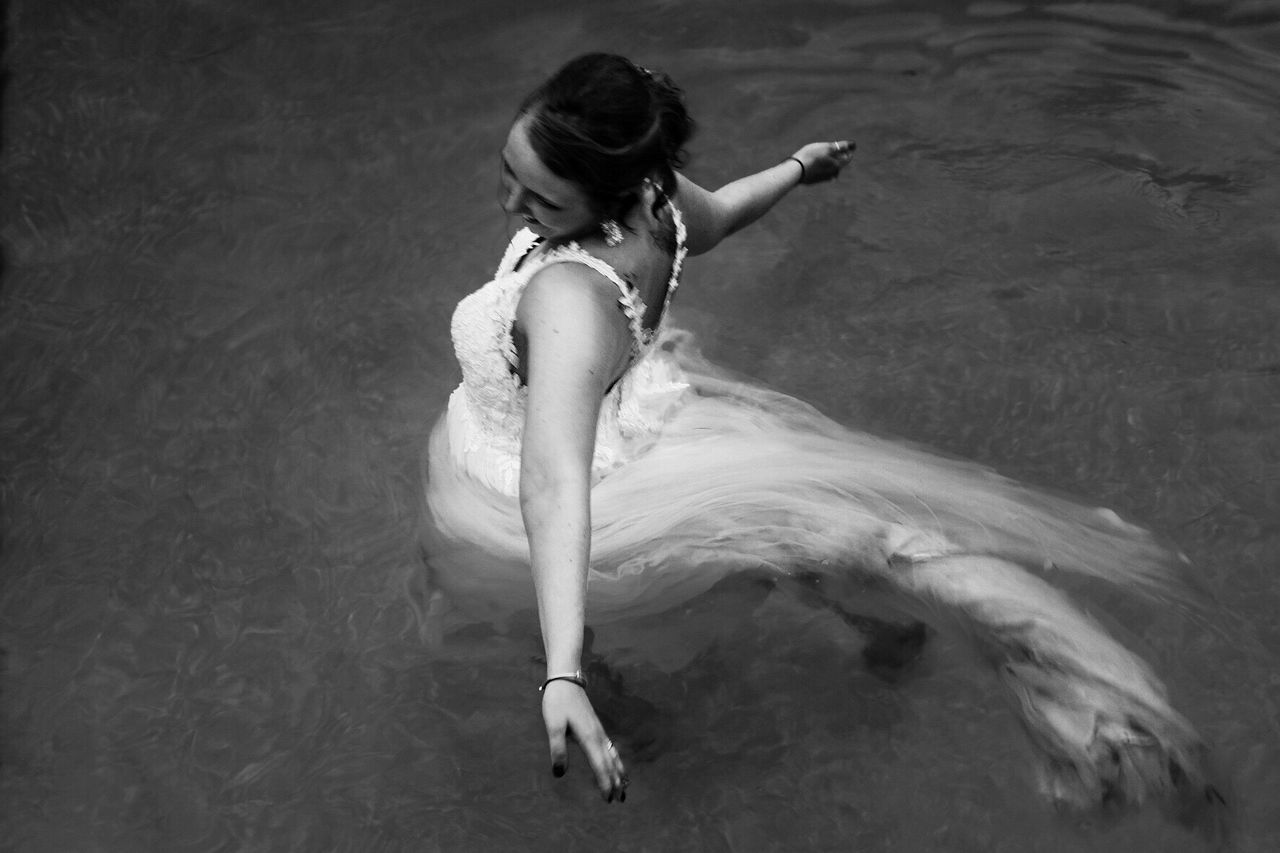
[{"x": 589, "y": 449}]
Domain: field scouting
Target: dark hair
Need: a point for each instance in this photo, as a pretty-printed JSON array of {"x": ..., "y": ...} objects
[{"x": 606, "y": 124}]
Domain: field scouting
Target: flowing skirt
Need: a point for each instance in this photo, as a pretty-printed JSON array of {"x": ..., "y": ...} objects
[{"x": 742, "y": 478}]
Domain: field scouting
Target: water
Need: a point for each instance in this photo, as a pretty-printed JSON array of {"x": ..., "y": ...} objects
[{"x": 233, "y": 236}]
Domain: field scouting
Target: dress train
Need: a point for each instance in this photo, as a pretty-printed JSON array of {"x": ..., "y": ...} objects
[{"x": 742, "y": 478}]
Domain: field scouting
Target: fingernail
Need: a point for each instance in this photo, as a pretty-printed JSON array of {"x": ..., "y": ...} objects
[
  {"x": 557, "y": 770},
  {"x": 622, "y": 797}
]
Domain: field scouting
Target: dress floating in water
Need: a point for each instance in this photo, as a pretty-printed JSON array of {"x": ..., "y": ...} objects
[{"x": 698, "y": 475}]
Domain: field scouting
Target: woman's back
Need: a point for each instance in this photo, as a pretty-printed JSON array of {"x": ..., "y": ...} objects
[
  {"x": 645, "y": 257},
  {"x": 488, "y": 409}
]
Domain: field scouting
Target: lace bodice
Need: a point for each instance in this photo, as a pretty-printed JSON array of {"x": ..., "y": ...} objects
[{"x": 486, "y": 411}]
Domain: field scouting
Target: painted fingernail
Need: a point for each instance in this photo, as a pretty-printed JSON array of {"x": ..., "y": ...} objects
[
  {"x": 622, "y": 796},
  {"x": 557, "y": 769}
]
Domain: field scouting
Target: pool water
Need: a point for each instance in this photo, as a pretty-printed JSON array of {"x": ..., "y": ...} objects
[{"x": 233, "y": 235}]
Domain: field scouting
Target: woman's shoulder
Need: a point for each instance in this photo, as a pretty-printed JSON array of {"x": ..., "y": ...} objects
[
  {"x": 571, "y": 309},
  {"x": 572, "y": 287},
  {"x": 700, "y": 213},
  {"x": 611, "y": 264}
]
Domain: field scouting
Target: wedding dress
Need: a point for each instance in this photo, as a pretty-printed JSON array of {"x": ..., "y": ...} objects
[{"x": 697, "y": 475}]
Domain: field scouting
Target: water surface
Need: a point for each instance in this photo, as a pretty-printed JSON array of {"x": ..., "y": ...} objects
[{"x": 233, "y": 236}]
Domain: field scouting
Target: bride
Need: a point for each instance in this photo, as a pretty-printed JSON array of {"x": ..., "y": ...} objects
[{"x": 591, "y": 463}]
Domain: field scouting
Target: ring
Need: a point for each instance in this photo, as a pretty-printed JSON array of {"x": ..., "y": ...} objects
[{"x": 609, "y": 746}]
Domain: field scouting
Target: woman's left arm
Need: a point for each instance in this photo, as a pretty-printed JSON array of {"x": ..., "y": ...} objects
[{"x": 576, "y": 340}]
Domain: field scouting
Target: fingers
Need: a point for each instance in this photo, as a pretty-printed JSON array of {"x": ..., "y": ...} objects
[
  {"x": 611, "y": 776},
  {"x": 578, "y": 721},
  {"x": 559, "y": 752},
  {"x": 621, "y": 780},
  {"x": 842, "y": 153},
  {"x": 606, "y": 764}
]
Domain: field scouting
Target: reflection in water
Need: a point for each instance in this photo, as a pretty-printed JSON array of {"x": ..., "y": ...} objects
[{"x": 233, "y": 237}]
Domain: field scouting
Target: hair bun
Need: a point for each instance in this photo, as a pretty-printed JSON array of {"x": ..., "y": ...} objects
[{"x": 606, "y": 124}]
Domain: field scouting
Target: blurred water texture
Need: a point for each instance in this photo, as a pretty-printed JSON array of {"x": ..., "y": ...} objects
[{"x": 233, "y": 235}]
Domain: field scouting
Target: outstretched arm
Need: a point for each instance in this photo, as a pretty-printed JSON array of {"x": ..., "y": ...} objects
[
  {"x": 576, "y": 341},
  {"x": 712, "y": 216}
]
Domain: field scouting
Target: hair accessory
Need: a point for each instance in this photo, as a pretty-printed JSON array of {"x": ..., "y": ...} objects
[
  {"x": 575, "y": 677},
  {"x": 612, "y": 232},
  {"x": 801, "y": 165}
]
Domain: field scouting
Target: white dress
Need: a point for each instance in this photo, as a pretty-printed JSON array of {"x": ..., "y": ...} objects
[{"x": 698, "y": 475}]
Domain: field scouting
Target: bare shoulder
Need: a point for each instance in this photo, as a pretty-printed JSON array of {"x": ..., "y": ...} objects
[
  {"x": 572, "y": 310},
  {"x": 567, "y": 291},
  {"x": 702, "y": 218}
]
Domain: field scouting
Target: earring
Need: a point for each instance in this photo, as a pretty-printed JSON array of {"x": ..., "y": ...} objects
[{"x": 612, "y": 233}]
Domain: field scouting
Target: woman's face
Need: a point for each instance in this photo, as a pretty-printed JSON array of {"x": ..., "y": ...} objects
[{"x": 552, "y": 207}]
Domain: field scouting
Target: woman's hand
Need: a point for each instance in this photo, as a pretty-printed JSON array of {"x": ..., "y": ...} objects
[
  {"x": 823, "y": 161},
  {"x": 566, "y": 710}
]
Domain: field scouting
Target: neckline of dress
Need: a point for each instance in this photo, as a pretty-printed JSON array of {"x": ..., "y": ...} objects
[{"x": 643, "y": 335}]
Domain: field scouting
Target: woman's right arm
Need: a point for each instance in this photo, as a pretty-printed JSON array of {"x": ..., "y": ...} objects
[{"x": 712, "y": 216}]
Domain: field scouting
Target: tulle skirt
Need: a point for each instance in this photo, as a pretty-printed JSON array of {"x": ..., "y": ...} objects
[
  {"x": 740, "y": 478},
  {"x": 744, "y": 478}
]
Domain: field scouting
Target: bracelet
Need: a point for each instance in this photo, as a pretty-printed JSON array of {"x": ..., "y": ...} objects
[
  {"x": 576, "y": 677},
  {"x": 802, "y": 172}
]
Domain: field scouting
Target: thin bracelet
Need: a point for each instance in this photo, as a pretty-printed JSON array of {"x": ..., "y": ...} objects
[
  {"x": 802, "y": 172},
  {"x": 576, "y": 677}
]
